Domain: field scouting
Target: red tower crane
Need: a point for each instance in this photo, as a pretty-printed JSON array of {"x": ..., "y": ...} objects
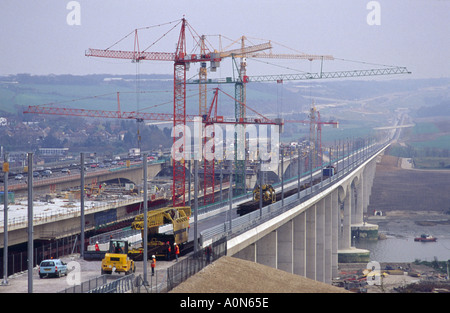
[
  {"x": 181, "y": 61},
  {"x": 211, "y": 118}
]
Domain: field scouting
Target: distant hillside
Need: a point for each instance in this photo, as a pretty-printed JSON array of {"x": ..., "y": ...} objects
[
  {"x": 358, "y": 105},
  {"x": 442, "y": 109}
]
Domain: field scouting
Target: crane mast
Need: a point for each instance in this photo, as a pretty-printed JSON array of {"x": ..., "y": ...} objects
[{"x": 182, "y": 62}]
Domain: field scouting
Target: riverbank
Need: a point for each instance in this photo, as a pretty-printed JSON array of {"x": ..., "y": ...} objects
[
  {"x": 391, "y": 277},
  {"x": 411, "y": 202}
]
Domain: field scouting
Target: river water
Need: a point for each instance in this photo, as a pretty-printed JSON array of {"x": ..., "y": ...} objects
[{"x": 399, "y": 245}]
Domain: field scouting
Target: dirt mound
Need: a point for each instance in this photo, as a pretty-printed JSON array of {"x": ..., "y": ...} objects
[
  {"x": 409, "y": 190},
  {"x": 389, "y": 163},
  {"x": 232, "y": 275}
]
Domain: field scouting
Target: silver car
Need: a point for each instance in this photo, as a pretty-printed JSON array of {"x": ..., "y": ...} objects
[{"x": 52, "y": 267}]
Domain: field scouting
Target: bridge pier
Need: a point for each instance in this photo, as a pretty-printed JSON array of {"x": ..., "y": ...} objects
[
  {"x": 333, "y": 198},
  {"x": 285, "y": 251},
  {"x": 311, "y": 242},
  {"x": 266, "y": 250},
  {"x": 306, "y": 245},
  {"x": 299, "y": 245},
  {"x": 345, "y": 227},
  {"x": 361, "y": 229}
]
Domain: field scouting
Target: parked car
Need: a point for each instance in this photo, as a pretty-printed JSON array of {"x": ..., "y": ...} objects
[
  {"x": 36, "y": 174},
  {"x": 19, "y": 177},
  {"x": 47, "y": 173},
  {"x": 52, "y": 267}
]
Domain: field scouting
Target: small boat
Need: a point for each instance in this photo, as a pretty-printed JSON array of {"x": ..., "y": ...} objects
[{"x": 425, "y": 238}]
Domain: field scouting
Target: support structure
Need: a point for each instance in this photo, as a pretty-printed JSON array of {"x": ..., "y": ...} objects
[
  {"x": 311, "y": 238},
  {"x": 5, "y": 219},
  {"x": 30, "y": 223}
]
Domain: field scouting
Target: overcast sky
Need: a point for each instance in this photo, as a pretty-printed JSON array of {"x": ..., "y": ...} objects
[{"x": 37, "y": 38}]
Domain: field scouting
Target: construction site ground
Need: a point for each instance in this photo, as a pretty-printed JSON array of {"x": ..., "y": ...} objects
[
  {"x": 18, "y": 283},
  {"x": 402, "y": 192},
  {"x": 232, "y": 275}
]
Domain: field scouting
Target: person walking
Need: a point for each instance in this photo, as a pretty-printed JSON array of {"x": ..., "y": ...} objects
[
  {"x": 208, "y": 252},
  {"x": 153, "y": 265},
  {"x": 168, "y": 251},
  {"x": 177, "y": 250},
  {"x": 97, "y": 248}
]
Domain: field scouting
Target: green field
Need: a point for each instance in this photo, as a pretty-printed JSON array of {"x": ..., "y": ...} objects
[
  {"x": 440, "y": 142},
  {"x": 425, "y": 128},
  {"x": 432, "y": 163}
]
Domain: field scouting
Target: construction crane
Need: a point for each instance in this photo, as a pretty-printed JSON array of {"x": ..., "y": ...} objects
[
  {"x": 239, "y": 52},
  {"x": 315, "y": 133},
  {"x": 177, "y": 217},
  {"x": 133, "y": 115},
  {"x": 209, "y": 119},
  {"x": 220, "y": 55},
  {"x": 182, "y": 61},
  {"x": 241, "y": 95},
  {"x": 242, "y": 79}
]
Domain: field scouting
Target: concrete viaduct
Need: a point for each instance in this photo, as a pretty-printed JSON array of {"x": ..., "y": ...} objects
[
  {"x": 313, "y": 232},
  {"x": 310, "y": 233},
  {"x": 56, "y": 184}
]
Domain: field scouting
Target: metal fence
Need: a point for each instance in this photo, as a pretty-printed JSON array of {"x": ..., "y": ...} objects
[
  {"x": 87, "y": 286},
  {"x": 250, "y": 220},
  {"x": 120, "y": 233},
  {"x": 184, "y": 269},
  {"x": 164, "y": 280},
  {"x": 18, "y": 261},
  {"x": 121, "y": 285}
]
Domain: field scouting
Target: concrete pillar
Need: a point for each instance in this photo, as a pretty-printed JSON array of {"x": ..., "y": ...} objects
[
  {"x": 328, "y": 238},
  {"x": 372, "y": 171},
  {"x": 320, "y": 240},
  {"x": 311, "y": 242},
  {"x": 359, "y": 201},
  {"x": 335, "y": 221},
  {"x": 299, "y": 245},
  {"x": 354, "y": 204},
  {"x": 346, "y": 230},
  {"x": 285, "y": 247},
  {"x": 372, "y": 168},
  {"x": 266, "y": 250},
  {"x": 248, "y": 253},
  {"x": 365, "y": 188}
]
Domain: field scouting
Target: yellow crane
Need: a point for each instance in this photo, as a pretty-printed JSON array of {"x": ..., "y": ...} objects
[{"x": 157, "y": 245}]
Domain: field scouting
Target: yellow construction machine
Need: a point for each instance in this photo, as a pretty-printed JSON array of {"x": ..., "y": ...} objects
[
  {"x": 116, "y": 260},
  {"x": 159, "y": 243},
  {"x": 268, "y": 192}
]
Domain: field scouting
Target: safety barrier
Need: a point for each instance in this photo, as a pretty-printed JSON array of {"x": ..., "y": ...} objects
[
  {"x": 87, "y": 286},
  {"x": 259, "y": 216},
  {"x": 120, "y": 285},
  {"x": 18, "y": 262}
]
